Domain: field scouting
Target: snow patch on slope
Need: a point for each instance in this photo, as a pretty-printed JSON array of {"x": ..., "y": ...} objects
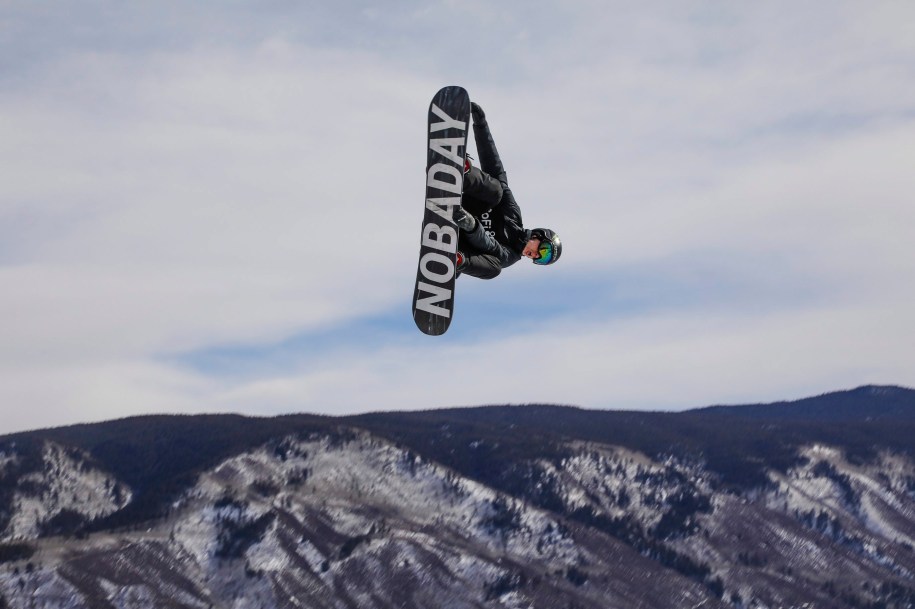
[
  {"x": 826, "y": 489},
  {"x": 618, "y": 482},
  {"x": 331, "y": 476},
  {"x": 307, "y": 513},
  {"x": 66, "y": 481},
  {"x": 7, "y": 459}
]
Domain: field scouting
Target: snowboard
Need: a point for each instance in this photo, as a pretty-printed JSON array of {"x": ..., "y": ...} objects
[{"x": 446, "y": 147}]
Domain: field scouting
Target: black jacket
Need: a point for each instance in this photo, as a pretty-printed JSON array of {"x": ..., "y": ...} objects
[{"x": 499, "y": 236}]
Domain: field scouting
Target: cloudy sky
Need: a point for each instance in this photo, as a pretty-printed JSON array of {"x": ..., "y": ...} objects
[{"x": 215, "y": 206}]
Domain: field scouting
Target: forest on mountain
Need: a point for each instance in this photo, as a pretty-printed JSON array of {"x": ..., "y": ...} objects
[{"x": 159, "y": 456}]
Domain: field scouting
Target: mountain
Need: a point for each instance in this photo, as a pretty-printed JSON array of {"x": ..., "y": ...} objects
[
  {"x": 807, "y": 503},
  {"x": 869, "y": 403}
]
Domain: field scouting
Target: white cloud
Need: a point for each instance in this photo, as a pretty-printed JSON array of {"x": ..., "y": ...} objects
[
  {"x": 191, "y": 206},
  {"x": 51, "y": 394},
  {"x": 672, "y": 360}
]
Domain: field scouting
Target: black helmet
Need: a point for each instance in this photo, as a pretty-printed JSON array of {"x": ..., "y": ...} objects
[{"x": 550, "y": 246}]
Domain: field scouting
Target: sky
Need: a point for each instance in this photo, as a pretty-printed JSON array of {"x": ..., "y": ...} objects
[{"x": 216, "y": 206}]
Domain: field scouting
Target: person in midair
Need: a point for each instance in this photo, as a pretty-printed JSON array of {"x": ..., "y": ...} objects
[{"x": 492, "y": 235}]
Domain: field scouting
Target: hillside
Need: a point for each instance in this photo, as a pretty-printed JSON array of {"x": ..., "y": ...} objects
[{"x": 771, "y": 505}]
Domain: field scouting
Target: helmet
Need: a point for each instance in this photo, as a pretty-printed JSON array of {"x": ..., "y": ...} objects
[{"x": 550, "y": 246}]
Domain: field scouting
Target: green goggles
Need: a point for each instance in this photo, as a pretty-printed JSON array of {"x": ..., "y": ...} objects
[{"x": 545, "y": 253}]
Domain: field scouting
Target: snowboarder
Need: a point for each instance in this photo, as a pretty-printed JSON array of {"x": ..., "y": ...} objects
[{"x": 492, "y": 235}]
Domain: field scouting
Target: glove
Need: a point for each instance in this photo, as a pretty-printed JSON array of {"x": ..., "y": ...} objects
[
  {"x": 479, "y": 117},
  {"x": 465, "y": 221}
]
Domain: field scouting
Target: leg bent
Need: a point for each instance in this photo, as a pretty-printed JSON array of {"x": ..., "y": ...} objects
[
  {"x": 482, "y": 266},
  {"x": 482, "y": 188}
]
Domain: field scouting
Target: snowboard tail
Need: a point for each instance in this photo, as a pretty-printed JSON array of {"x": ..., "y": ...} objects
[{"x": 446, "y": 146}]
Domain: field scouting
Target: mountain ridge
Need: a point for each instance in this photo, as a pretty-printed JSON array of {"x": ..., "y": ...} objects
[
  {"x": 162, "y": 453},
  {"x": 895, "y": 402},
  {"x": 498, "y": 506}
]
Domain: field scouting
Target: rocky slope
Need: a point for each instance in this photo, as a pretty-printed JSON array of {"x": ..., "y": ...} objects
[{"x": 497, "y": 507}]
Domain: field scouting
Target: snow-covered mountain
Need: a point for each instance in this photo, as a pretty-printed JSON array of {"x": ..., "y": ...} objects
[{"x": 524, "y": 507}]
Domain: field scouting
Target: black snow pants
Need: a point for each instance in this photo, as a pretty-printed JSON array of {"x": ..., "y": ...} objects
[{"x": 482, "y": 192}]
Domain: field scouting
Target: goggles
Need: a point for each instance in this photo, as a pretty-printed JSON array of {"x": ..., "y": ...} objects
[{"x": 545, "y": 253}]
